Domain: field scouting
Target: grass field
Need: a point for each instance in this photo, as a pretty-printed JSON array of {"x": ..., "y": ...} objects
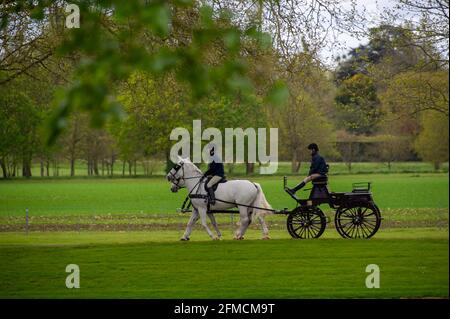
[
  {"x": 411, "y": 247},
  {"x": 284, "y": 168},
  {"x": 112, "y": 196},
  {"x": 139, "y": 265}
]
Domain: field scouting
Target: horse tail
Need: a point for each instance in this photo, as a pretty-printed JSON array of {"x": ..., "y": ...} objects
[{"x": 260, "y": 201}]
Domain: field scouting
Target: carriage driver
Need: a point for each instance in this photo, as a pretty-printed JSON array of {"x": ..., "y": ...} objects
[
  {"x": 215, "y": 172},
  {"x": 318, "y": 168}
]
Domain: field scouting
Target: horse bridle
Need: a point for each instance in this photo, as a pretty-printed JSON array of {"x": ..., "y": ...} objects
[{"x": 176, "y": 180}]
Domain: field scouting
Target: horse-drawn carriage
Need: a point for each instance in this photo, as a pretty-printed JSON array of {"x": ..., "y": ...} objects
[{"x": 356, "y": 216}]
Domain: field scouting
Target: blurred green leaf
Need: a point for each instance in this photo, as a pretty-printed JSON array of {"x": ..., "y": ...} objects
[
  {"x": 231, "y": 40},
  {"x": 3, "y": 21},
  {"x": 162, "y": 60},
  {"x": 278, "y": 94},
  {"x": 206, "y": 16},
  {"x": 157, "y": 17},
  {"x": 183, "y": 3},
  {"x": 37, "y": 13}
]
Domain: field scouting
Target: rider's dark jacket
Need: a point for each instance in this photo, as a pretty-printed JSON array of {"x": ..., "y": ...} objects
[
  {"x": 318, "y": 165},
  {"x": 215, "y": 168}
]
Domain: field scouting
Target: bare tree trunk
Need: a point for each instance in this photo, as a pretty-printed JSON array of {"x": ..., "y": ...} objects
[
  {"x": 4, "y": 170},
  {"x": 293, "y": 163},
  {"x": 26, "y": 167},
  {"x": 437, "y": 165},
  {"x": 55, "y": 168},
  {"x": 297, "y": 168},
  {"x": 72, "y": 166},
  {"x": 112, "y": 165},
  {"x": 349, "y": 156},
  {"x": 95, "y": 167},
  {"x": 42, "y": 168},
  {"x": 250, "y": 168}
]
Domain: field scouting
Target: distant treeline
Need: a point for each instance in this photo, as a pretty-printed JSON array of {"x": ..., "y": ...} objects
[{"x": 110, "y": 92}]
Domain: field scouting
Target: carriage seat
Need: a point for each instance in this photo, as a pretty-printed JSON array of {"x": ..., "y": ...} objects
[{"x": 320, "y": 188}]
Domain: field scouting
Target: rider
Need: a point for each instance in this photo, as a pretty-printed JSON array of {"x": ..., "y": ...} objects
[
  {"x": 318, "y": 168},
  {"x": 215, "y": 171}
]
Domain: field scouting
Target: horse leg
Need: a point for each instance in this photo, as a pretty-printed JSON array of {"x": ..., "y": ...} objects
[
  {"x": 245, "y": 221},
  {"x": 202, "y": 212},
  {"x": 214, "y": 223},
  {"x": 194, "y": 217},
  {"x": 265, "y": 229}
]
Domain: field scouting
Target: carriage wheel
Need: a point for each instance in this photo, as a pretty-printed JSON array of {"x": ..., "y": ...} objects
[
  {"x": 361, "y": 220},
  {"x": 306, "y": 222}
]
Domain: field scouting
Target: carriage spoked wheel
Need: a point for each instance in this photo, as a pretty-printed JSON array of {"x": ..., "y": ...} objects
[
  {"x": 359, "y": 220},
  {"x": 306, "y": 222}
]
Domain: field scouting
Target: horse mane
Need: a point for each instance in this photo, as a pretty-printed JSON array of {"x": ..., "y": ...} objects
[{"x": 196, "y": 169}]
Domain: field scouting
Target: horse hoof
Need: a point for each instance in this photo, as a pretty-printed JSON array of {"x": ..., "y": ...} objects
[
  {"x": 184, "y": 239},
  {"x": 215, "y": 238},
  {"x": 266, "y": 238}
]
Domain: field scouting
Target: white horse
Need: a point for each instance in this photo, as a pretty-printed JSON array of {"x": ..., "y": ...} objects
[{"x": 243, "y": 192}]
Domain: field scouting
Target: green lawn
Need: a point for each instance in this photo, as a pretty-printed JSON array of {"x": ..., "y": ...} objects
[
  {"x": 113, "y": 196},
  {"x": 411, "y": 248},
  {"x": 284, "y": 168},
  {"x": 143, "y": 265}
]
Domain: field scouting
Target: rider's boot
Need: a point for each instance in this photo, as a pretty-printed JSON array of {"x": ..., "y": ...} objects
[
  {"x": 212, "y": 197},
  {"x": 294, "y": 190}
]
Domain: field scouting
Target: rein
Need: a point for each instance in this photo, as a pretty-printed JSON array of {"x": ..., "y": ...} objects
[{"x": 201, "y": 177}]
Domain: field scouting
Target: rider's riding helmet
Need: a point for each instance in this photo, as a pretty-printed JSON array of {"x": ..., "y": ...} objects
[{"x": 313, "y": 146}]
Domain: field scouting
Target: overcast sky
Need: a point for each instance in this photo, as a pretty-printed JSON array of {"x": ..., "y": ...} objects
[{"x": 372, "y": 9}]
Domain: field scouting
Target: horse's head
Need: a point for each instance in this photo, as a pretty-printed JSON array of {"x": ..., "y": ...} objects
[
  {"x": 184, "y": 169},
  {"x": 176, "y": 175}
]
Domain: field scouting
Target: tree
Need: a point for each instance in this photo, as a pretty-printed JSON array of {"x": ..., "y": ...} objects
[
  {"x": 350, "y": 147},
  {"x": 18, "y": 122},
  {"x": 388, "y": 45},
  {"x": 72, "y": 140},
  {"x": 427, "y": 22},
  {"x": 154, "y": 107},
  {"x": 410, "y": 93},
  {"x": 432, "y": 142},
  {"x": 119, "y": 37},
  {"x": 392, "y": 148},
  {"x": 302, "y": 123},
  {"x": 357, "y": 105}
]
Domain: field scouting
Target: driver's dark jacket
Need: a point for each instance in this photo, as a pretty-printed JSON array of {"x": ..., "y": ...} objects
[
  {"x": 318, "y": 165},
  {"x": 215, "y": 168}
]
